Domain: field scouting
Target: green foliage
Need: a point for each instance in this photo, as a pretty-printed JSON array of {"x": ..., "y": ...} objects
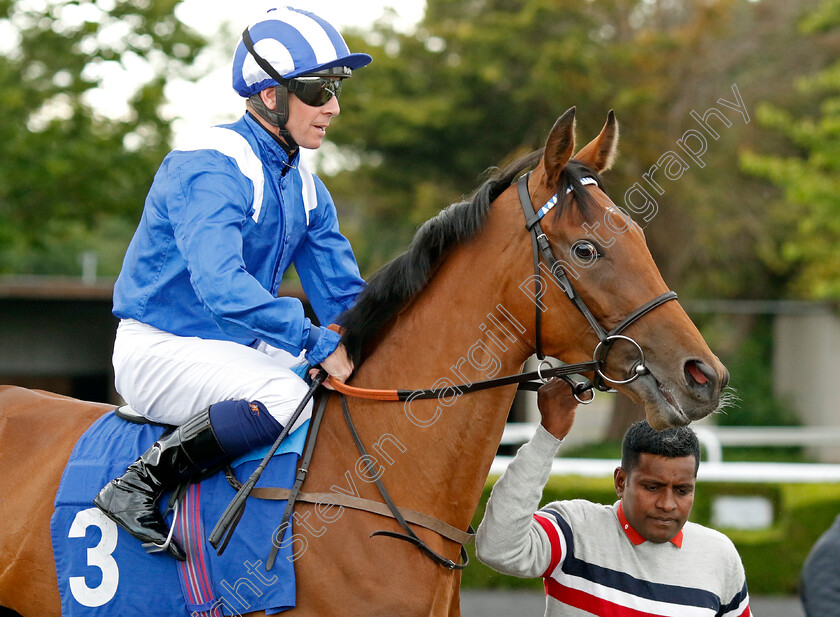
[
  {"x": 73, "y": 180},
  {"x": 808, "y": 174},
  {"x": 772, "y": 557},
  {"x": 477, "y": 83},
  {"x": 482, "y": 81}
]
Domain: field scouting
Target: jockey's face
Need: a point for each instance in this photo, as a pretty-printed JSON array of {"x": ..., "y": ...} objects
[
  {"x": 308, "y": 124},
  {"x": 657, "y": 495}
]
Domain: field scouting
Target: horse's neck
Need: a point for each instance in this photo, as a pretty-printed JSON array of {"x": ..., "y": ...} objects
[{"x": 455, "y": 332}]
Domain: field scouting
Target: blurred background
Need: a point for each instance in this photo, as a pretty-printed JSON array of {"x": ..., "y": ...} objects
[{"x": 746, "y": 229}]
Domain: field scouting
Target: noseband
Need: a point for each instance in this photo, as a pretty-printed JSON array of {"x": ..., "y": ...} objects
[{"x": 606, "y": 339}]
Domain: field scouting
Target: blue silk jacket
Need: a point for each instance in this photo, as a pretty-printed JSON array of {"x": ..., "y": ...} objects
[{"x": 224, "y": 219}]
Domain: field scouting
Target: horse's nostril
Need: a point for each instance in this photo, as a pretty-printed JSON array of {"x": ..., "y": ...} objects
[{"x": 698, "y": 373}]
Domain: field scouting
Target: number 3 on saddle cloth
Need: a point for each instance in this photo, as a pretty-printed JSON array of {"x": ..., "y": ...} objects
[{"x": 102, "y": 570}]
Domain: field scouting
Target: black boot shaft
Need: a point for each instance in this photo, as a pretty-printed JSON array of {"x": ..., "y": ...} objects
[{"x": 180, "y": 456}]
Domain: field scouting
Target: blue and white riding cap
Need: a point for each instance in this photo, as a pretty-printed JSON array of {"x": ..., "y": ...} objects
[{"x": 295, "y": 42}]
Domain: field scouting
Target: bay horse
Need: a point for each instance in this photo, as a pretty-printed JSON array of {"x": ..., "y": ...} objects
[{"x": 457, "y": 307}]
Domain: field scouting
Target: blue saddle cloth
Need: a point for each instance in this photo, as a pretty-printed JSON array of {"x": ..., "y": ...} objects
[{"x": 102, "y": 570}]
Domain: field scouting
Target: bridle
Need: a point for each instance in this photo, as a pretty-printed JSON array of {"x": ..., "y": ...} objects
[
  {"x": 606, "y": 339},
  {"x": 532, "y": 380},
  {"x": 541, "y": 249}
]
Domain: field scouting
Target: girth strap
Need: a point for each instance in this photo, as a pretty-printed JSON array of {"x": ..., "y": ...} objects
[{"x": 367, "y": 505}]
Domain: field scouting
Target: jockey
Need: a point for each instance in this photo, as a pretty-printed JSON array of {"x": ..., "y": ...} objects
[{"x": 203, "y": 342}]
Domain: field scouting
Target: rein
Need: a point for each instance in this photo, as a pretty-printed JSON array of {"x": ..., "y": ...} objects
[
  {"x": 409, "y": 534},
  {"x": 528, "y": 381}
]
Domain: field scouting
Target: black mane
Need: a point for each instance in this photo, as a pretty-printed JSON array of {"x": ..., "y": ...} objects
[{"x": 397, "y": 282}]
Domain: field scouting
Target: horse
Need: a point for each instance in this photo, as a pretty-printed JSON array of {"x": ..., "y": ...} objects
[{"x": 471, "y": 298}]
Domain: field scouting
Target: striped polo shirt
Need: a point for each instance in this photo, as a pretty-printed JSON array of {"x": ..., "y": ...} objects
[{"x": 593, "y": 562}]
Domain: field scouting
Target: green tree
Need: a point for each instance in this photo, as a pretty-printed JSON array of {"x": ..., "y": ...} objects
[
  {"x": 476, "y": 83},
  {"x": 809, "y": 173},
  {"x": 481, "y": 81},
  {"x": 73, "y": 179}
]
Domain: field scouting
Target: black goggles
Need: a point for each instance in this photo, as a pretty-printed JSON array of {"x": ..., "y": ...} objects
[{"x": 315, "y": 91}]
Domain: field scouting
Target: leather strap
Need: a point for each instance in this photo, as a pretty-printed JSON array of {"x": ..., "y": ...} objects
[
  {"x": 526, "y": 381},
  {"x": 226, "y": 525},
  {"x": 291, "y": 495},
  {"x": 531, "y": 219},
  {"x": 541, "y": 246},
  {"x": 643, "y": 310},
  {"x": 388, "y": 509},
  {"x": 409, "y": 534},
  {"x": 539, "y": 238},
  {"x": 365, "y": 393},
  {"x": 367, "y": 505},
  {"x": 294, "y": 495}
]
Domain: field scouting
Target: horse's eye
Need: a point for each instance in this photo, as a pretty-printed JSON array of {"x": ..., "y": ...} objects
[{"x": 585, "y": 251}]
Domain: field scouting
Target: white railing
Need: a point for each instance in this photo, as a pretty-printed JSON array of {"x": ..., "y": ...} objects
[
  {"x": 713, "y": 468},
  {"x": 714, "y": 438}
]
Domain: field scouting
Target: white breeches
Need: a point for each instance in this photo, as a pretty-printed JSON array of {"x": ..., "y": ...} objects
[{"x": 169, "y": 378}]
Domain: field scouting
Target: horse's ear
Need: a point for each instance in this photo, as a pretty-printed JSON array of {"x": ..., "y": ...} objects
[
  {"x": 599, "y": 153},
  {"x": 559, "y": 147}
]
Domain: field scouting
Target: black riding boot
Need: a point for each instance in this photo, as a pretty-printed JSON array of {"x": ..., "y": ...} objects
[{"x": 131, "y": 500}]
